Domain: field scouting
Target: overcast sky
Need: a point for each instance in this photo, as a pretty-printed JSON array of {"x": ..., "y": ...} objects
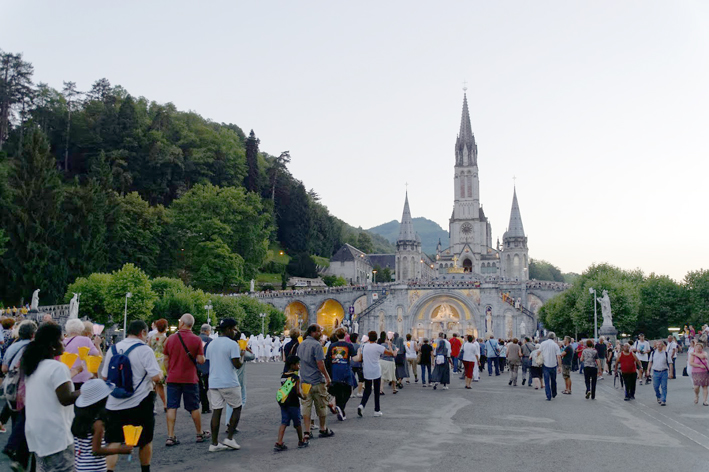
[{"x": 600, "y": 109}]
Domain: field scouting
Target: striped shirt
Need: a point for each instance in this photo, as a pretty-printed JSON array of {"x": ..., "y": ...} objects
[{"x": 84, "y": 458}]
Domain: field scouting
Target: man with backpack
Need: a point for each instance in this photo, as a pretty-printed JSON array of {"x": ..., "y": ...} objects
[
  {"x": 131, "y": 366},
  {"x": 183, "y": 352},
  {"x": 661, "y": 367},
  {"x": 493, "y": 353}
]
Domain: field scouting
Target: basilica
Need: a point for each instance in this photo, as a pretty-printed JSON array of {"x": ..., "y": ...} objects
[{"x": 469, "y": 253}]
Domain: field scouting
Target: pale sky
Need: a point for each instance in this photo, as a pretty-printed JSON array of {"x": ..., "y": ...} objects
[{"x": 600, "y": 109}]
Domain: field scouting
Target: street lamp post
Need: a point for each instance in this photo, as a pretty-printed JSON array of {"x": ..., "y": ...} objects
[
  {"x": 263, "y": 320},
  {"x": 209, "y": 307},
  {"x": 595, "y": 313},
  {"x": 375, "y": 276},
  {"x": 125, "y": 314}
]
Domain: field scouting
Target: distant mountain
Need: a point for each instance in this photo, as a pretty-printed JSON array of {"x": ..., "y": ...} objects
[{"x": 429, "y": 232}]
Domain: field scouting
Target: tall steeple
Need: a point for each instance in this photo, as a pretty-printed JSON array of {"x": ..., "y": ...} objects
[
  {"x": 406, "y": 230},
  {"x": 466, "y": 151},
  {"x": 515, "y": 228}
]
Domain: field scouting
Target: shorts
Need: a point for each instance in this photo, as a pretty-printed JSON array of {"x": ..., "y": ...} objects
[
  {"x": 290, "y": 413},
  {"x": 566, "y": 371},
  {"x": 645, "y": 364},
  {"x": 176, "y": 391},
  {"x": 316, "y": 396},
  {"x": 359, "y": 373},
  {"x": 141, "y": 415},
  {"x": 218, "y": 397},
  {"x": 62, "y": 461}
]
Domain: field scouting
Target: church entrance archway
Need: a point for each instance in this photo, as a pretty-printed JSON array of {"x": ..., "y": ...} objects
[
  {"x": 296, "y": 315},
  {"x": 468, "y": 265},
  {"x": 447, "y": 313},
  {"x": 330, "y": 316}
]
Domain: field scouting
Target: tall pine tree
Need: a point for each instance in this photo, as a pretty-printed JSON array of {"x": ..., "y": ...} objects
[
  {"x": 35, "y": 256},
  {"x": 252, "y": 175}
]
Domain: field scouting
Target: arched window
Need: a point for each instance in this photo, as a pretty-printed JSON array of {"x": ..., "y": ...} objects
[
  {"x": 470, "y": 185},
  {"x": 468, "y": 265}
]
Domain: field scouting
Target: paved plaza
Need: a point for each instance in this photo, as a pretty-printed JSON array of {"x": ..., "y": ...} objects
[{"x": 492, "y": 427}]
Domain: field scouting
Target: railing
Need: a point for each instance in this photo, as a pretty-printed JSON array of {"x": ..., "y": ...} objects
[
  {"x": 521, "y": 308},
  {"x": 371, "y": 307}
]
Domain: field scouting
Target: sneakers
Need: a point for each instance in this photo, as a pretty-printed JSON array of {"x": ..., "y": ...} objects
[
  {"x": 663, "y": 404},
  {"x": 279, "y": 447},
  {"x": 326, "y": 434},
  {"x": 377, "y": 413},
  {"x": 360, "y": 409},
  {"x": 424, "y": 385},
  {"x": 302, "y": 444},
  {"x": 445, "y": 387},
  {"x": 218, "y": 448},
  {"x": 359, "y": 395},
  {"x": 231, "y": 443},
  {"x": 588, "y": 395},
  {"x": 340, "y": 415}
]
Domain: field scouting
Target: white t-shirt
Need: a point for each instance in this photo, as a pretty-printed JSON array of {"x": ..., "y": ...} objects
[
  {"x": 142, "y": 361},
  {"x": 470, "y": 352},
  {"x": 689, "y": 366},
  {"x": 672, "y": 347},
  {"x": 371, "y": 352},
  {"x": 48, "y": 422},
  {"x": 659, "y": 360},
  {"x": 550, "y": 350},
  {"x": 410, "y": 349},
  {"x": 641, "y": 350}
]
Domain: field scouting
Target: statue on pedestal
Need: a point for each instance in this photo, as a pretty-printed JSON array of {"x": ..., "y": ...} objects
[
  {"x": 74, "y": 306},
  {"x": 522, "y": 328},
  {"x": 35, "y": 300},
  {"x": 606, "y": 309}
]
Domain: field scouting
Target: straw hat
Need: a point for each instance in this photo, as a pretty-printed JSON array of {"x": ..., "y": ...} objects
[{"x": 93, "y": 391}]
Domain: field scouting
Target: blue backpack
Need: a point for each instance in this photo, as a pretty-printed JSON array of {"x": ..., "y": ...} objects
[{"x": 120, "y": 373}]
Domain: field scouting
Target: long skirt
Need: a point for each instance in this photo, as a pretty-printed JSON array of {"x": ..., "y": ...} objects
[
  {"x": 388, "y": 370},
  {"x": 441, "y": 373},
  {"x": 402, "y": 371},
  {"x": 536, "y": 372}
]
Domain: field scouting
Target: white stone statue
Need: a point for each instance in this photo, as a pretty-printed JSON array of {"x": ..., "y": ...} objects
[
  {"x": 606, "y": 309},
  {"x": 74, "y": 306},
  {"x": 35, "y": 300},
  {"x": 252, "y": 285},
  {"x": 522, "y": 328},
  {"x": 488, "y": 322}
]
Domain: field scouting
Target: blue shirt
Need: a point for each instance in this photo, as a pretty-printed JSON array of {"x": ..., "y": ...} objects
[
  {"x": 12, "y": 350},
  {"x": 220, "y": 352}
]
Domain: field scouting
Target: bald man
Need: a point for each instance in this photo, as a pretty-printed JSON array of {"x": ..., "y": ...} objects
[{"x": 183, "y": 351}]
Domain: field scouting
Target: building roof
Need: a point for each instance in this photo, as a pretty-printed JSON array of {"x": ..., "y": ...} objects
[
  {"x": 515, "y": 228},
  {"x": 383, "y": 260},
  {"x": 348, "y": 253}
]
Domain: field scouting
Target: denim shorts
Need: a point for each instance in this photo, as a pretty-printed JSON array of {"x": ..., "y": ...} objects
[
  {"x": 289, "y": 413},
  {"x": 190, "y": 393}
]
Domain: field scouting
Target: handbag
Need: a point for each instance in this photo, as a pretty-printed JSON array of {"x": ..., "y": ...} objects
[
  {"x": 418, "y": 358},
  {"x": 460, "y": 354},
  {"x": 684, "y": 372},
  {"x": 440, "y": 359}
]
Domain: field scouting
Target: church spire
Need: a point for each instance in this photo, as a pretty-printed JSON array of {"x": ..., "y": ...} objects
[
  {"x": 515, "y": 229},
  {"x": 466, "y": 151},
  {"x": 406, "y": 231}
]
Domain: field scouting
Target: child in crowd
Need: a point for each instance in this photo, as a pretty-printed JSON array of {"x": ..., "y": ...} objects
[
  {"x": 90, "y": 449},
  {"x": 288, "y": 399}
]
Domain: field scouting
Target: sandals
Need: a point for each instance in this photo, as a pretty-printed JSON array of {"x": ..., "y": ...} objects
[
  {"x": 326, "y": 434},
  {"x": 171, "y": 441},
  {"x": 306, "y": 436},
  {"x": 202, "y": 436}
]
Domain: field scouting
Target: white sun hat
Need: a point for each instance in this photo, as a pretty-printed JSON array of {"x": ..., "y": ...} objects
[{"x": 93, "y": 391}]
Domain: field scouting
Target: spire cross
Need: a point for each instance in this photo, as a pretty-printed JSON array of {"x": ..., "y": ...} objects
[
  {"x": 407, "y": 186},
  {"x": 514, "y": 180},
  {"x": 465, "y": 85}
]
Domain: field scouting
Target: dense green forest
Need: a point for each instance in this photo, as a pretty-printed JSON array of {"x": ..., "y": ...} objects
[{"x": 91, "y": 180}]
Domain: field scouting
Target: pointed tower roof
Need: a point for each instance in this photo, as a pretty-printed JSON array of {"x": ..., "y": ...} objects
[
  {"x": 465, "y": 136},
  {"x": 406, "y": 231},
  {"x": 515, "y": 229}
]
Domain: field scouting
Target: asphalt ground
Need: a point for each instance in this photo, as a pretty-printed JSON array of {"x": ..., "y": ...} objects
[{"x": 491, "y": 427}]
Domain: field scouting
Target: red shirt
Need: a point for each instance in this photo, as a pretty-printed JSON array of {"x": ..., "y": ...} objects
[
  {"x": 627, "y": 363},
  {"x": 455, "y": 346},
  {"x": 180, "y": 368}
]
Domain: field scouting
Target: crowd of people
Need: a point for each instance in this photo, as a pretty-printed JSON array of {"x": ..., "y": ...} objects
[{"x": 87, "y": 407}]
